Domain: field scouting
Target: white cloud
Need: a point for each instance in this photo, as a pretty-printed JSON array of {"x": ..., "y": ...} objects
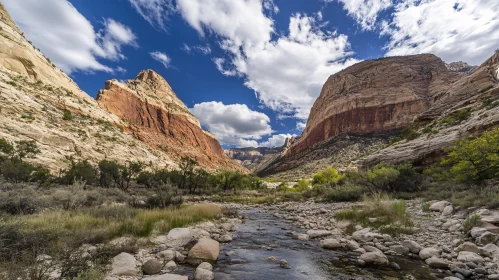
[
  {"x": 365, "y": 12},
  {"x": 156, "y": 12},
  {"x": 233, "y": 124},
  {"x": 67, "y": 37},
  {"x": 276, "y": 140},
  {"x": 120, "y": 69},
  {"x": 161, "y": 58},
  {"x": 199, "y": 48},
  {"x": 301, "y": 125},
  {"x": 287, "y": 73},
  {"x": 452, "y": 29}
]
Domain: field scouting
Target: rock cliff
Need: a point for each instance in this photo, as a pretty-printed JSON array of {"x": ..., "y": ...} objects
[
  {"x": 34, "y": 95},
  {"x": 362, "y": 107},
  {"x": 156, "y": 116}
]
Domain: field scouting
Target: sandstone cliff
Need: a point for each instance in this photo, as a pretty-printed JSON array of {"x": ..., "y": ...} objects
[
  {"x": 157, "y": 117},
  {"x": 256, "y": 159},
  {"x": 362, "y": 107},
  {"x": 34, "y": 95}
]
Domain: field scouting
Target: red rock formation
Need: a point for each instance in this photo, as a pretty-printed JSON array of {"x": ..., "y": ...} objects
[
  {"x": 157, "y": 117},
  {"x": 375, "y": 96}
]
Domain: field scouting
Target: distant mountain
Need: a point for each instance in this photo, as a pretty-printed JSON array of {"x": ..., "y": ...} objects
[{"x": 462, "y": 67}]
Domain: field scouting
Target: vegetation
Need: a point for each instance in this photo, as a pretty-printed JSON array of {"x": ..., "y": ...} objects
[
  {"x": 380, "y": 212},
  {"x": 471, "y": 222},
  {"x": 67, "y": 115},
  {"x": 327, "y": 176},
  {"x": 406, "y": 134},
  {"x": 457, "y": 117}
]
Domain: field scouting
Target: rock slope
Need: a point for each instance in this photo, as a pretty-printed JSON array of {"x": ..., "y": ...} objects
[
  {"x": 363, "y": 106},
  {"x": 157, "y": 117},
  {"x": 34, "y": 95}
]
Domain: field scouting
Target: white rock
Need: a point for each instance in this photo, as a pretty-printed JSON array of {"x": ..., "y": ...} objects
[
  {"x": 124, "y": 264},
  {"x": 447, "y": 210},
  {"x": 465, "y": 256},
  {"x": 330, "y": 244},
  {"x": 205, "y": 249},
  {"x": 413, "y": 246},
  {"x": 437, "y": 263},
  {"x": 316, "y": 233},
  {"x": 376, "y": 258},
  {"x": 365, "y": 235},
  {"x": 468, "y": 247},
  {"x": 427, "y": 253},
  {"x": 171, "y": 265},
  {"x": 439, "y": 206}
]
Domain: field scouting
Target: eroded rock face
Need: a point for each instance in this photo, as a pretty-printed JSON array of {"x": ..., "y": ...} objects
[
  {"x": 375, "y": 96},
  {"x": 157, "y": 117}
]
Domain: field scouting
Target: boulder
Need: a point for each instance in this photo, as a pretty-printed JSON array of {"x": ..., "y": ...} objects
[
  {"x": 465, "y": 256},
  {"x": 124, "y": 264},
  {"x": 331, "y": 244},
  {"x": 477, "y": 231},
  {"x": 171, "y": 265},
  {"x": 316, "y": 233},
  {"x": 439, "y": 206},
  {"x": 427, "y": 253},
  {"x": 489, "y": 250},
  {"x": 413, "y": 246},
  {"x": 375, "y": 258},
  {"x": 351, "y": 245},
  {"x": 490, "y": 217},
  {"x": 178, "y": 233},
  {"x": 205, "y": 250},
  {"x": 204, "y": 272},
  {"x": 447, "y": 210},
  {"x": 399, "y": 249},
  {"x": 299, "y": 236},
  {"x": 435, "y": 262},
  {"x": 468, "y": 247},
  {"x": 486, "y": 238},
  {"x": 167, "y": 255},
  {"x": 365, "y": 235},
  {"x": 152, "y": 266}
]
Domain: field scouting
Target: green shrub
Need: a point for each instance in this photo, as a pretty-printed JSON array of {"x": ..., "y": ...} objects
[
  {"x": 487, "y": 88},
  {"x": 471, "y": 222},
  {"x": 425, "y": 207},
  {"x": 109, "y": 173},
  {"x": 382, "y": 177},
  {"x": 327, "y": 176},
  {"x": 16, "y": 171},
  {"x": 81, "y": 170},
  {"x": 458, "y": 116},
  {"x": 406, "y": 134},
  {"x": 28, "y": 117},
  {"x": 67, "y": 115}
]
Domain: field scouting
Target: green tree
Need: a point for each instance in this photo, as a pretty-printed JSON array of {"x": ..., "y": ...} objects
[
  {"x": 81, "y": 170},
  {"x": 327, "y": 176},
  {"x": 471, "y": 160},
  {"x": 128, "y": 173},
  {"x": 228, "y": 180},
  {"x": 26, "y": 149},
  {"x": 6, "y": 148},
  {"x": 109, "y": 173},
  {"x": 302, "y": 185},
  {"x": 382, "y": 177},
  {"x": 186, "y": 166}
]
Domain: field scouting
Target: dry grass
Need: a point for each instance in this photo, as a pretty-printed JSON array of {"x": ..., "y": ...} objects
[{"x": 390, "y": 215}]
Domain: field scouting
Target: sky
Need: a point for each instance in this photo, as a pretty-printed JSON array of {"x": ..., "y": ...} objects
[{"x": 250, "y": 70}]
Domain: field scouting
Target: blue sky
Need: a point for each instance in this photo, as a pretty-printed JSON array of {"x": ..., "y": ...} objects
[{"x": 249, "y": 69}]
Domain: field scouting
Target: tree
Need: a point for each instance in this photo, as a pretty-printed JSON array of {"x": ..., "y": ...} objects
[
  {"x": 230, "y": 180},
  {"x": 186, "y": 166},
  {"x": 26, "y": 149},
  {"x": 302, "y": 185},
  {"x": 327, "y": 176},
  {"x": 471, "y": 160},
  {"x": 109, "y": 173},
  {"x": 382, "y": 177},
  {"x": 81, "y": 170},
  {"x": 199, "y": 177},
  {"x": 6, "y": 148},
  {"x": 128, "y": 173}
]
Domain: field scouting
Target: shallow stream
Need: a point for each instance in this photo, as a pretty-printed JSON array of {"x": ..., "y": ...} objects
[{"x": 263, "y": 235}]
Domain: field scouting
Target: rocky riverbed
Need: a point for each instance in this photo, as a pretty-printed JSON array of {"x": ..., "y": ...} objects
[{"x": 304, "y": 241}]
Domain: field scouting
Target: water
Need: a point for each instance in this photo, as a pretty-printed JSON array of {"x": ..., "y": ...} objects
[{"x": 264, "y": 235}]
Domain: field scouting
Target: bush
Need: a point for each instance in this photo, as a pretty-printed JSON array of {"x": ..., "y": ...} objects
[
  {"x": 458, "y": 116},
  {"x": 67, "y": 115},
  {"x": 471, "y": 222},
  {"x": 19, "y": 201},
  {"x": 344, "y": 193},
  {"x": 15, "y": 170},
  {"x": 109, "y": 173},
  {"x": 166, "y": 195},
  {"x": 383, "y": 177},
  {"x": 81, "y": 170},
  {"x": 406, "y": 134},
  {"x": 327, "y": 176}
]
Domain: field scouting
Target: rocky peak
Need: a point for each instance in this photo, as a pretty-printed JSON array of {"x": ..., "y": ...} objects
[{"x": 462, "y": 67}]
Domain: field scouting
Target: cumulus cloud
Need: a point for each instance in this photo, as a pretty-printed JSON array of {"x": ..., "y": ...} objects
[
  {"x": 156, "y": 12},
  {"x": 365, "y": 12},
  {"x": 276, "y": 140},
  {"x": 161, "y": 58},
  {"x": 301, "y": 125},
  {"x": 233, "y": 124},
  {"x": 452, "y": 29},
  {"x": 67, "y": 37},
  {"x": 286, "y": 73}
]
